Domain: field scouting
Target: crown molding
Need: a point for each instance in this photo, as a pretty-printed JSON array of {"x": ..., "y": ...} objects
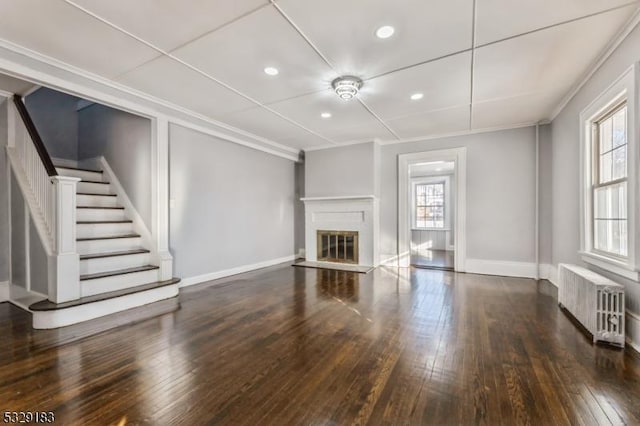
[
  {"x": 19, "y": 62},
  {"x": 611, "y": 47}
]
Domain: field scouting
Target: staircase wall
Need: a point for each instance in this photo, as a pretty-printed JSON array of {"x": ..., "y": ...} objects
[
  {"x": 234, "y": 206},
  {"x": 56, "y": 118},
  {"x": 4, "y": 193},
  {"x": 125, "y": 141}
]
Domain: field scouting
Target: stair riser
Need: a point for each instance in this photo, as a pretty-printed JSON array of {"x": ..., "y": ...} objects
[
  {"x": 95, "y": 230},
  {"x": 81, "y": 174},
  {"x": 104, "y": 264},
  {"x": 94, "y": 188},
  {"x": 118, "y": 282},
  {"x": 96, "y": 215},
  {"x": 96, "y": 201},
  {"x": 103, "y": 246}
]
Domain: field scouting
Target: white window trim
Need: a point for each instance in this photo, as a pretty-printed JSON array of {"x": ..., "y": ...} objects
[
  {"x": 623, "y": 89},
  {"x": 447, "y": 200}
]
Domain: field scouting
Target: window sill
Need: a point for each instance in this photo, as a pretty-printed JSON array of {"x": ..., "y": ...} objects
[
  {"x": 612, "y": 265},
  {"x": 431, "y": 229}
]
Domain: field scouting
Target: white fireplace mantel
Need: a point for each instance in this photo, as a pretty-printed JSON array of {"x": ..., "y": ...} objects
[{"x": 343, "y": 213}]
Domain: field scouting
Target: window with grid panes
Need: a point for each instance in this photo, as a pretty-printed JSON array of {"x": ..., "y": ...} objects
[
  {"x": 429, "y": 208},
  {"x": 609, "y": 186}
]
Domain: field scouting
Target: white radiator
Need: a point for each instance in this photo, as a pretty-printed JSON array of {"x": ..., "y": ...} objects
[{"x": 595, "y": 301}]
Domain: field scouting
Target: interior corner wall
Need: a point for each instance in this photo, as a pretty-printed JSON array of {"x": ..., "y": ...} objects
[
  {"x": 299, "y": 207},
  {"x": 55, "y": 116},
  {"x": 232, "y": 206},
  {"x": 545, "y": 194},
  {"x": 4, "y": 194},
  {"x": 341, "y": 171},
  {"x": 500, "y": 193},
  {"x": 124, "y": 140},
  {"x": 565, "y": 135}
]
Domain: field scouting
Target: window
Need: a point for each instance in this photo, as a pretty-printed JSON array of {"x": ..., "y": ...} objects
[
  {"x": 609, "y": 188},
  {"x": 429, "y": 205},
  {"x": 609, "y": 196}
]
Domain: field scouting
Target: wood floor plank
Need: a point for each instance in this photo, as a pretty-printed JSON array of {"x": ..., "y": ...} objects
[{"x": 302, "y": 346}]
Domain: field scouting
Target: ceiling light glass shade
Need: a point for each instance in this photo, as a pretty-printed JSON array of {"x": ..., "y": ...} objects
[
  {"x": 385, "y": 31},
  {"x": 326, "y": 115},
  {"x": 347, "y": 87},
  {"x": 417, "y": 96},
  {"x": 271, "y": 71}
]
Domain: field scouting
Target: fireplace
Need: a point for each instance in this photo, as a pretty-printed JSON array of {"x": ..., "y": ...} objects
[
  {"x": 337, "y": 246},
  {"x": 342, "y": 229}
]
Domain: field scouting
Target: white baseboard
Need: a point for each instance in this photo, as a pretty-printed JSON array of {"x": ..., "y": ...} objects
[
  {"x": 389, "y": 259},
  {"x": 633, "y": 330},
  {"x": 501, "y": 268},
  {"x": 549, "y": 272},
  {"x": 234, "y": 271},
  {"x": 4, "y": 291}
]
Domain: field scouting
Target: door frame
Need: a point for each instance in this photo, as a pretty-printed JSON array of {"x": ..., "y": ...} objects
[{"x": 459, "y": 157}]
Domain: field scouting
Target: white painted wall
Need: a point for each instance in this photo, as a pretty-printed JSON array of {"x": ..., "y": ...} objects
[
  {"x": 565, "y": 135},
  {"x": 233, "y": 206},
  {"x": 500, "y": 193}
]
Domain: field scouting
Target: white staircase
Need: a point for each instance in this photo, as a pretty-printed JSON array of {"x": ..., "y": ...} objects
[{"x": 112, "y": 254}]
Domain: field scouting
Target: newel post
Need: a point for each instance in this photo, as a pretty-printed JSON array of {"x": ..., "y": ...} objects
[{"x": 64, "y": 280}]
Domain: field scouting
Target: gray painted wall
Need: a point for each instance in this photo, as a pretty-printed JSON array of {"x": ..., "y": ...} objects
[
  {"x": 5, "y": 237},
  {"x": 125, "y": 141},
  {"x": 234, "y": 206},
  {"x": 348, "y": 170},
  {"x": 298, "y": 216},
  {"x": 56, "y": 119},
  {"x": 565, "y": 135},
  {"x": 500, "y": 193},
  {"x": 18, "y": 243},
  {"x": 546, "y": 193}
]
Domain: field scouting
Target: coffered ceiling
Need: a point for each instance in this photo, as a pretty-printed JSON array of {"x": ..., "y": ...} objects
[{"x": 478, "y": 63}]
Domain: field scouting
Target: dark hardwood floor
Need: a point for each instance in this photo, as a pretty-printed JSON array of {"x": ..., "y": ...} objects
[
  {"x": 433, "y": 259},
  {"x": 312, "y": 347}
]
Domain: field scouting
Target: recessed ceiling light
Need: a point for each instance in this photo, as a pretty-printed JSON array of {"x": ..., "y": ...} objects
[
  {"x": 271, "y": 71},
  {"x": 385, "y": 31},
  {"x": 325, "y": 115},
  {"x": 417, "y": 96}
]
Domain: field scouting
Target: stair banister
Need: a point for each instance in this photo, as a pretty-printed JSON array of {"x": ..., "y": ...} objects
[{"x": 51, "y": 200}]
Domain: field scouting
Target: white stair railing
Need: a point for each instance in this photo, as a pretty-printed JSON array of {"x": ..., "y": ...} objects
[{"x": 51, "y": 200}]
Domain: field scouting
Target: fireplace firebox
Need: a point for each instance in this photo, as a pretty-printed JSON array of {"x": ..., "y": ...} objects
[{"x": 337, "y": 246}]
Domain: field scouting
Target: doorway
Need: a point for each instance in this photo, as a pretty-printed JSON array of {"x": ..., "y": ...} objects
[{"x": 432, "y": 209}]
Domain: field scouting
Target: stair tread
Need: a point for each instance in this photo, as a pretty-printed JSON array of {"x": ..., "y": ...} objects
[
  {"x": 118, "y": 272},
  {"x": 113, "y": 254},
  {"x": 94, "y": 222},
  {"x": 47, "y": 305},
  {"x": 101, "y": 207},
  {"x": 93, "y": 181},
  {"x": 79, "y": 169},
  {"x": 110, "y": 237},
  {"x": 97, "y": 195}
]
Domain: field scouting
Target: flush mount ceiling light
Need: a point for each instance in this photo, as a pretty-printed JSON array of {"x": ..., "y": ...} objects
[
  {"x": 346, "y": 87},
  {"x": 417, "y": 96},
  {"x": 271, "y": 71},
  {"x": 385, "y": 31},
  {"x": 325, "y": 115}
]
